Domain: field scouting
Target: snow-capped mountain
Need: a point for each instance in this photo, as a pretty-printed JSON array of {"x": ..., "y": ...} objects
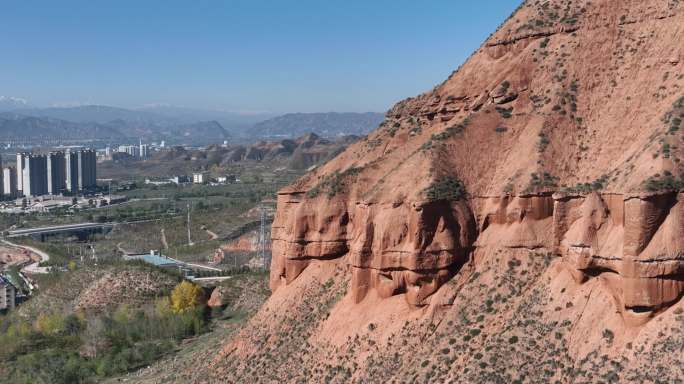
[{"x": 8, "y": 103}]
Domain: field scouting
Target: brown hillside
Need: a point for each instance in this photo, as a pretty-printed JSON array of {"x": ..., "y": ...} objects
[{"x": 522, "y": 221}]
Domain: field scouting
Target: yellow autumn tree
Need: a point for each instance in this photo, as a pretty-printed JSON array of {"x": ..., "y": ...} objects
[
  {"x": 49, "y": 323},
  {"x": 186, "y": 296}
]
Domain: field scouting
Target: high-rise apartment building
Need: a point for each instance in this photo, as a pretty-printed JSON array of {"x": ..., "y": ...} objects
[
  {"x": 9, "y": 183},
  {"x": 35, "y": 175},
  {"x": 81, "y": 173},
  {"x": 20, "y": 172},
  {"x": 87, "y": 173},
  {"x": 144, "y": 151},
  {"x": 56, "y": 169},
  {"x": 71, "y": 171}
]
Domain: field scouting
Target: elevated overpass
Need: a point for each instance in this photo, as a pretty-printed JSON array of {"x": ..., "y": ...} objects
[{"x": 81, "y": 230}]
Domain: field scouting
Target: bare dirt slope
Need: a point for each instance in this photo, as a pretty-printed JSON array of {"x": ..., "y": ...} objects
[{"x": 521, "y": 222}]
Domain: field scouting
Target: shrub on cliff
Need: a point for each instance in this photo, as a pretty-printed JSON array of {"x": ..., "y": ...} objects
[
  {"x": 334, "y": 183},
  {"x": 665, "y": 182},
  {"x": 447, "y": 188},
  {"x": 451, "y": 131}
]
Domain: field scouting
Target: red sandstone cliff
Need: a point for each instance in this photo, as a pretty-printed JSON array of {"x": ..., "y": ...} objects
[
  {"x": 561, "y": 136},
  {"x": 564, "y": 129}
]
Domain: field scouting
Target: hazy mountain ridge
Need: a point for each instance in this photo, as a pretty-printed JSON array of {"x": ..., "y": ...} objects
[
  {"x": 94, "y": 114},
  {"x": 18, "y": 127},
  {"x": 176, "y": 124},
  {"x": 325, "y": 124},
  {"x": 15, "y": 126}
]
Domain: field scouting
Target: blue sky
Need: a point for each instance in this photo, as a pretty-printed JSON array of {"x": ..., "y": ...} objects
[{"x": 242, "y": 55}]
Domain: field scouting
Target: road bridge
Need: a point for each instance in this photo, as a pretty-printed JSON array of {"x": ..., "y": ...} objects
[{"x": 82, "y": 230}]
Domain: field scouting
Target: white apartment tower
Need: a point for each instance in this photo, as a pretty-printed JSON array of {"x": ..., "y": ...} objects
[{"x": 9, "y": 183}]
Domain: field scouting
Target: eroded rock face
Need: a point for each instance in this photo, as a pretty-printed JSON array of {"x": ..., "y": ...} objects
[
  {"x": 638, "y": 238},
  {"x": 558, "y": 136},
  {"x": 304, "y": 230},
  {"x": 400, "y": 248},
  {"x": 413, "y": 249}
]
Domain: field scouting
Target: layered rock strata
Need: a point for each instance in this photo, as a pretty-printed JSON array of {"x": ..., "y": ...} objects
[{"x": 561, "y": 134}]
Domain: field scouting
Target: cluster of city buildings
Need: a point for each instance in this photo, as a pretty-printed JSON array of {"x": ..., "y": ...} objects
[
  {"x": 196, "y": 178},
  {"x": 205, "y": 178},
  {"x": 141, "y": 151},
  {"x": 123, "y": 152},
  {"x": 56, "y": 173}
]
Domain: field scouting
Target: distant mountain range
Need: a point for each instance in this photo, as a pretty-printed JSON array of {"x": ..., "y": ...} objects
[
  {"x": 19, "y": 121},
  {"x": 324, "y": 124},
  {"x": 93, "y": 114},
  {"x": 8, "y": 103},
  {"x": 14, "y": 126}
]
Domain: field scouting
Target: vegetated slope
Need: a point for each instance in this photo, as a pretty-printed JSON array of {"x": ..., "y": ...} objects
[
  {"x": 521, "y": 222},
  {"x": 97, "y": 289},
  {"x": 97, "y": 321},
  {"x": 241, "y": 296},
  {"x": 329, "y": 124}
]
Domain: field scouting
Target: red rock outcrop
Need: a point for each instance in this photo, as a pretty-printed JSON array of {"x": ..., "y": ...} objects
[{"x": 562, "y": 139}]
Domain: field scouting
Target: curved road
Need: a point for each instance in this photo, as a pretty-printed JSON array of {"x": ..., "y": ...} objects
[{"x": 33, "y": 267}]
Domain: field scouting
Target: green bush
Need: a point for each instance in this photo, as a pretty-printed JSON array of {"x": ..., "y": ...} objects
[
  {"x": 543, "y": 142},
  {"x": 447, "y": 188},
  {"x": 543, "y": 180},
  {"x": 451, "y": 131},
  {"x": 506, "y": 113},
  {"x": 334, "y": 183},
  {"x": 665, "y": 182}
]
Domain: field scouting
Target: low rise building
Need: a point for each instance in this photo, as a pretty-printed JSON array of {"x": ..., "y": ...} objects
[
  {"x": 180, "y": 179},
  {"x": 8, "y": 294},
  {"x": 200, "y": 178}
]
